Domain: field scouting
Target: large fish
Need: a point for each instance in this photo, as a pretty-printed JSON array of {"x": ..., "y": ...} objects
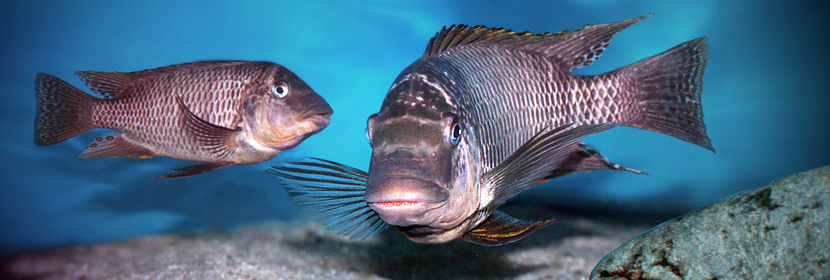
[
  {"x": 220, "y": 113},
  {"x": 487, "y": 113}
]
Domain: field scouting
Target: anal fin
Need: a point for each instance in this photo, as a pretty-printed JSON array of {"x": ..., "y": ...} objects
[
  {"x": 500, "y": 229},
  {"x": 195, "y": 169},
  {"x": 115, "y": 146}
]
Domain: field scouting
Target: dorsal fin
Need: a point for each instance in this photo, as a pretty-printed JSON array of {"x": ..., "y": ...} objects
[
  {"x": 114, "y": 84},
  {"x": 107, "y": 84},
  {"x": 570, "y": 49}
]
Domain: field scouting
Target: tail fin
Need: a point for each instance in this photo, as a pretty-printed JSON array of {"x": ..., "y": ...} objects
[
  {"x": 60, "y": 110},
  {"x": 667, "y": 87}
]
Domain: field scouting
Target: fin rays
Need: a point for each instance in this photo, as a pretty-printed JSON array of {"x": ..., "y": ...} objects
[
  {"x": 333, "y": 193},
  {"x": 217, "y": 139},
  {"x": 570, "y": 49},
  {"x": 669, "y": 88},
  {"x": 500, "y": 229},
  {"x": 534, "y": 160},
  {"x": 61, "y": 110}
]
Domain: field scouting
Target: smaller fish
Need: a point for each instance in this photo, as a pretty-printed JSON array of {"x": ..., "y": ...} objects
[{"x": 220, "y": 113}]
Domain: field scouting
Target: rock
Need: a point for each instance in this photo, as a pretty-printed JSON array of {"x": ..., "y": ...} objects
[{"x": 781, "y": 231}]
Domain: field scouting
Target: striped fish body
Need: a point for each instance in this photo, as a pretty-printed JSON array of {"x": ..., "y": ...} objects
[
  {"x": 505, "y": 92},
  {"x": 487, "y": 113},
  {"x": 220, "y": 112}
]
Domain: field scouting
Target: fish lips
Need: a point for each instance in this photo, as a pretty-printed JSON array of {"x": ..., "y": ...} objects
[
  {"x": 319, "y": 114},
  {"x": 404, "y": 201},
  {"x": 311, "y": 121}
]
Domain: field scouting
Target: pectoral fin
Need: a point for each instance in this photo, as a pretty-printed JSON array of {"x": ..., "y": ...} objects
[
  {"x": 534, "y": 160},
  {"x": 500, "y": 229},
  {"x": 333, "y": 193},
  {"x": 220, "y": 141}
]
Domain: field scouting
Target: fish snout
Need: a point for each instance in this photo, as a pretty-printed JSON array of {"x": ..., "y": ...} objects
[
  {"x": 402, "y": 201},
  {"x": 320, "y": 111}
]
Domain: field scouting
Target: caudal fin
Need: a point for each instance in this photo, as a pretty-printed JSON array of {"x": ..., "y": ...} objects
[
  {"x": 60, "y": 110},
  {"x": 667, "y": 87}
]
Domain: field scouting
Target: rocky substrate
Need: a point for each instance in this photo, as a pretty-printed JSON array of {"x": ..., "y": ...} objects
[
  {"x": 566, "y": 250},
  {"x": 781, "y": 231}
]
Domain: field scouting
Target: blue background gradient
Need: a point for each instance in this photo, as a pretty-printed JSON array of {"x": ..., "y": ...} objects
[{"x": 765, "y": 98}]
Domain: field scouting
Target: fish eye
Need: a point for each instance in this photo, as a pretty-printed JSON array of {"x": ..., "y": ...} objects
[
  {"x": 455, "y": 132},
  {"x": 280, "y": 89},
  {"x": 370, "y": 123}
]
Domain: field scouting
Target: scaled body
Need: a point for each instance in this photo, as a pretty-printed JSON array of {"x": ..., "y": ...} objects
[
  {"x": 217, "y": 112},
  {"x": 487, "y": 113}
]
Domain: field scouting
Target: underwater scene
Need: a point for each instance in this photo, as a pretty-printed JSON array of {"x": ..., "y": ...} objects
[{"x": 764, "y": 96}]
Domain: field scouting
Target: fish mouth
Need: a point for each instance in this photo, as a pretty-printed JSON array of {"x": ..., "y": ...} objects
[
  {"x": 316, "y": 110},
  {"x": 403, "y": 201},
  {"x": 318, "y": 113},
  {"x": 285, "y": 136}
]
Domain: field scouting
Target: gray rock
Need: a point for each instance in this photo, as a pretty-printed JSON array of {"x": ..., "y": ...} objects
[{"x": 781, "y": 231}]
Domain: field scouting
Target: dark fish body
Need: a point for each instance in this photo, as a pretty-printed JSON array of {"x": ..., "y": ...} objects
[
  {"x": 220, "y": 113},
  {"x": 487, "y": 113}
]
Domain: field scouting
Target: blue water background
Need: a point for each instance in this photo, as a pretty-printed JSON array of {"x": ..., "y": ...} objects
[{"x": 765, "y": 101}]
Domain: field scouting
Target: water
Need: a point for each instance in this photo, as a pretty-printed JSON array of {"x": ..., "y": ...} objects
[{"x": 765, "y": 102}]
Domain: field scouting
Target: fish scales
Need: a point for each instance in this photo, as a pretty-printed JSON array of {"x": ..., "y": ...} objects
[
  {"x": 151, "y": 105},
  {"x": 219, "y": 113},
  {"x": 487, "y": 113},
  {"x": 516, "y": 94}
]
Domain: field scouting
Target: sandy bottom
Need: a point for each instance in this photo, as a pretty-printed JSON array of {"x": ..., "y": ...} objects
[{"x": 565, "y": 250}]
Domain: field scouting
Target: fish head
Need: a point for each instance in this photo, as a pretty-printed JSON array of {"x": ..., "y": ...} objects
[
  {"x": 281, "y": 110},
  {"x": 418, "y": 176}
]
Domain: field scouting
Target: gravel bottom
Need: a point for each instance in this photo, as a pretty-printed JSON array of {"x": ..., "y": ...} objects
[{"x": 565, "y": 250}]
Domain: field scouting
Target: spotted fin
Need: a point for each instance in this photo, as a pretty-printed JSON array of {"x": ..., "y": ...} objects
[
  {"x": 115, "y": 146},
  {"x": 218, "y": 140},
  {"x": 500, "y": 229},
  {"x": 108, "y": 84},
  {"x": 585, "y": 158},
  {"x": 60, "y": 110},
  {"x": 333, "y": 194},
  {"x": 195, "y": 169},
  {"x": 569, "y": 49},
  {"x": 668, "y": 88},
  {"x": 534, "y": 161}
]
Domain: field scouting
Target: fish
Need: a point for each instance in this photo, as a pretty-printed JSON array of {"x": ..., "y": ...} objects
[
  {"x": 487, "y": 113},
  {"x": 218, "y": 113}
]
